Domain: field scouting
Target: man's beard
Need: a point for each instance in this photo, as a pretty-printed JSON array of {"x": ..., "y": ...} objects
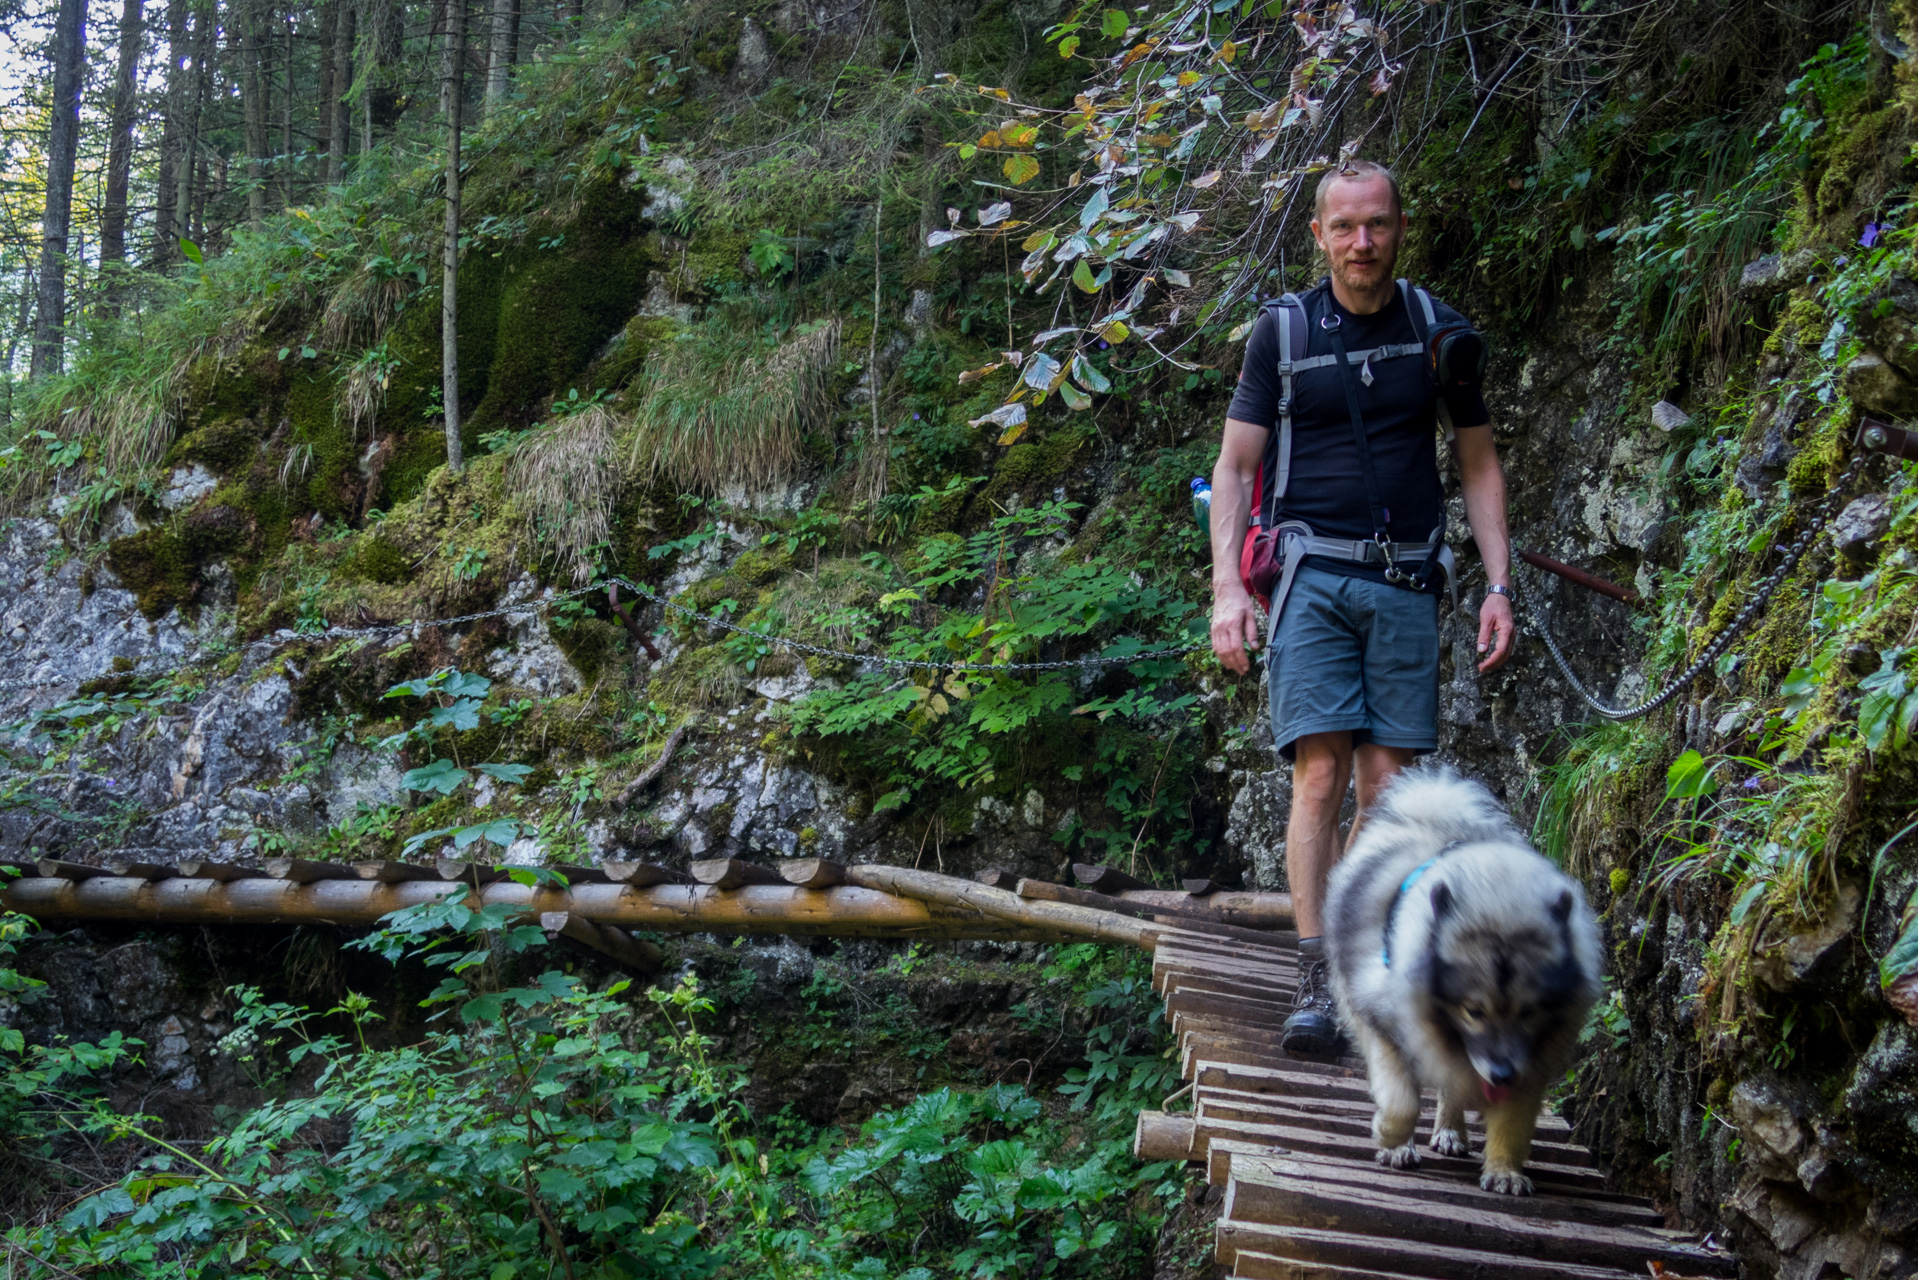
[{"x": 1361, "y": 284}]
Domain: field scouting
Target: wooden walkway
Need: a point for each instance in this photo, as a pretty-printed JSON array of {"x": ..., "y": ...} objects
[{"x": 1290, "y": 1141}]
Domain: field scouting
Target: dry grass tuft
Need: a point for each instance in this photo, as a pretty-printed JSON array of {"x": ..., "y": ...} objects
[
  {"x": 566, "y": 478},
  {"x": 720, "y": 410}
]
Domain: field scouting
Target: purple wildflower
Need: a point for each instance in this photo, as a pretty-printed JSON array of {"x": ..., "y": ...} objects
[
  {"x": 1102, "y": 346},
  {"x": 915, "y": 417},
  {"x": 1752, "y": 783},
  {"x": 1872, "y": 231}
]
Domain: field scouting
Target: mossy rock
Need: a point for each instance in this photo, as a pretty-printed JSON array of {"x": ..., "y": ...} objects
[
  {"x": 589, "y": 644},
  {"x": 377, "y": 560},
  {"x": 1862, "y": 164},
  {"x": 162, "y": 566},
  {"x": 1034, "y": 470},
  {"x": 225, "y": 446}
]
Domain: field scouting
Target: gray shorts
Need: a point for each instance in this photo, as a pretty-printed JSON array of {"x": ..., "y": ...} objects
[{"x": 1353, "y": 653}]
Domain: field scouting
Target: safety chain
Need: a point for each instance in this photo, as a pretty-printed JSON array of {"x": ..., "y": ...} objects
[
  {"x": 281, "y": 640},
  {"x": 1821, "y": 516}
]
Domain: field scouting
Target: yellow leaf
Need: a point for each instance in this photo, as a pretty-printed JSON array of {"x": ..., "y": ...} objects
[
  {"x": 1021, "y": 169},
  {"x": 1040, "y": 239},
  {"x": 1115, "y": 333},
  {"x": 990, "y": 138},
  {"x": 1209, "y": 179},
  {"x": 1013, "y": 433},
  {"x": 1228, "y": 51},
  {"x": 1019, "y": 135},
  {"x": 1160, "y": 139},
  {"x": 973, "y": 375},
  {"x": 1188, "y": 77},
  {"x": 939, "y": 704}
]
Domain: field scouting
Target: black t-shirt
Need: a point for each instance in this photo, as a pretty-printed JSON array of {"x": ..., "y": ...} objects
[{"x": 1327, "y": 488}]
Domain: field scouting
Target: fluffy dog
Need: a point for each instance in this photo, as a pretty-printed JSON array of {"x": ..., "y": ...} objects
[{"x": 1462, "y": 961}]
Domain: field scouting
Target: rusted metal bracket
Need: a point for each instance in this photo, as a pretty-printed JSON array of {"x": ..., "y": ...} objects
[
  {"x": 1590, "y": 581},
  {"x": 1881, "y": 437}
]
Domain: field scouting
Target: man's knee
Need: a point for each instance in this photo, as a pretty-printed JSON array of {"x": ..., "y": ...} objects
[{"x": 1321, "y": 768}]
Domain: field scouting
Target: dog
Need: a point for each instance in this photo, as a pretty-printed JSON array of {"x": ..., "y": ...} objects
[{"x": 1460, "y": 960}]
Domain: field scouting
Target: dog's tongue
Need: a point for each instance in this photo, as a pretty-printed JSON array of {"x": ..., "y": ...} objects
[{"x": 1495, "y": 1093}]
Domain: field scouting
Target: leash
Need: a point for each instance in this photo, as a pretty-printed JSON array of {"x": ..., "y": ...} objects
[{"x": 1821, "y": 516}]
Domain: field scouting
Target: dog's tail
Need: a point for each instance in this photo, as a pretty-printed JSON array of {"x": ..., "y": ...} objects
[{"x": 1437, "y": 799}]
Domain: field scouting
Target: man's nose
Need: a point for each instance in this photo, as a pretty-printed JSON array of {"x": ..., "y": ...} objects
[{"x": 1363, "y": 240}]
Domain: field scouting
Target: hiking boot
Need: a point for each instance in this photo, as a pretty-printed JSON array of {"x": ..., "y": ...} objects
[{"x": 1313, "y": 1027}]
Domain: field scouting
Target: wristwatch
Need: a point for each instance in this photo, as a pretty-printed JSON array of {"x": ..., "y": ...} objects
[{"x": 1496, "y": 590}]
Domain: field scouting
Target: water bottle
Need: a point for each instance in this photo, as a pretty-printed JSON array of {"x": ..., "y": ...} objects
[{"x": 1202, "y": 504}]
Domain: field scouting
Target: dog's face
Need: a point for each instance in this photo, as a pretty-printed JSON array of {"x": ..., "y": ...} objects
[{"x": 1503, "y": 980}]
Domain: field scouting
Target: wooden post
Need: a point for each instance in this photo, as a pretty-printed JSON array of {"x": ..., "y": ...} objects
[
  {"x": 731, "y": 873},
  {"x": 812, "y": 873},
  {"x": 970, "y": 896}
]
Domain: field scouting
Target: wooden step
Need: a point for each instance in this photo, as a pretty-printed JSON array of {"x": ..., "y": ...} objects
[
  {"x": 1275, "y": 1197},
  {"x": 1171, "y": 980},
  {"x": 1357, "y": 1253},
  {"x": 1356, "y": 1125},
  {"x": 1447, "y": 1188},
  {"x": 1225, "y": 1045},
  {"x": 1286, "y": 1080}
]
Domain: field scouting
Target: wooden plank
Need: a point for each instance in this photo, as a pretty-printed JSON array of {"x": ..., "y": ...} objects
[
  {"x": 1271, "y": 1013},
  {"x": 307, "y": 870},
  {"x": 1270, "y": 913},
  {"x": 733, "y": 873},
  {"x": 1224, "y": 939},
  {"x": 1196, "y": 1046},
  {"x": 1102, "y": 879},
  {"x": 1297, "y": 1139},
  {"x": 1349, "y": 1115},
  {"x": 1162, "y": 1135},
  {"x": 1436, "y": 1188},
  {"x": 141, "y": 870},
  {"x": 1229, "y": 985},
  {"x": 207, "y": 869},
  {"x": 1286, "y": 1080},
  {"x": 1253, "y": 1265},
  {"x": 59, "y": 869},
  {"x": 395, "y": 872},
  {"x": 1374, "y": 1253},
  {"x": 1259, "y": 1195},
  {"x": 643, "y": 875},
  {"x": 812, "y": 873},
  {"x": 1263, "y": 1039}
]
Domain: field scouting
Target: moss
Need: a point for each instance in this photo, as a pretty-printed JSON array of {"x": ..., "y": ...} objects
[
  {"x": 557, "y": 309},
  {"x": 627, "y": 354},
  {"x": 715, "y": 258},
  {"x": 589, "y": 644},
  {"x": 225, "y": 446},
  {"x": 1862, "y": 164},
  {"x": 1034, "y": 470},
  {"x": 162, "y": 566},
  {"x": 378, "y": 560}
]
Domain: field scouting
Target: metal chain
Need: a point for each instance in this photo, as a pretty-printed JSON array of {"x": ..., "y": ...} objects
[{"x": 1821, "y": 516}]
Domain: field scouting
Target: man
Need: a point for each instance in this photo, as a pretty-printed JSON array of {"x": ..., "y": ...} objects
[{"x": 1353, "y": 666}]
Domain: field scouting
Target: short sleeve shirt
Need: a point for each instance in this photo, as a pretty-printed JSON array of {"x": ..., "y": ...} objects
[{"x": 1326, "y": 488}]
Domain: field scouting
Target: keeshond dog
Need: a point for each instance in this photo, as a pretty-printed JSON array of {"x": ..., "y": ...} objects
[{"x": 1463, "y": 961}]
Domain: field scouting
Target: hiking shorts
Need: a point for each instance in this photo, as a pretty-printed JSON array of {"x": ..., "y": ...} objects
[{"x": 1357, "y": 654}]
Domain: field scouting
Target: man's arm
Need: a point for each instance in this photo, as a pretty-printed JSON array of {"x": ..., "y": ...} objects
[
  {"x": 1235, "y": 620},
  {"x": 1483, "y": 482}
]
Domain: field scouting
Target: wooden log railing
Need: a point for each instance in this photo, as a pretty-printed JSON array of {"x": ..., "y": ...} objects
[{"x": 599, "y": 906}]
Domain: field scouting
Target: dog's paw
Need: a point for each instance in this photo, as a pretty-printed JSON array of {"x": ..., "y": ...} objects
[
  {"x": 1450, "y": 1142},
  {"x": 1405, "y": 1157},
  {"x": 1506, "y": 1182}
]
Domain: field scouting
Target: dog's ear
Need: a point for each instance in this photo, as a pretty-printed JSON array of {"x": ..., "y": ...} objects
[
  {"x": 1562, "y": 909},
  {"x": 1441, "y": 900}
]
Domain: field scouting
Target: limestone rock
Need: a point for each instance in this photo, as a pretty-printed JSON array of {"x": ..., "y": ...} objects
[
  {"x": 1797, "y": 960},
  {"x": 1863, "y": 520},
  {"x": 187, "y": 485},
  {"x": 1876, "y": 386},
  {"x": 1767, "y": 1114},
  {"x": 1774, "y": 273}
]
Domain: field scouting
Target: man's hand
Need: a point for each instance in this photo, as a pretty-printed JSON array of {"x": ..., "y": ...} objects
[
  {"x": 1496, "y": 631},
  {"x": 1235, "y": 627}
]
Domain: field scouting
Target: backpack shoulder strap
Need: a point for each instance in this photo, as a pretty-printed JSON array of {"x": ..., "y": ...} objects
[
  {"x": 1295, "y": 335},
  {"x": 1418, "y": 305}
]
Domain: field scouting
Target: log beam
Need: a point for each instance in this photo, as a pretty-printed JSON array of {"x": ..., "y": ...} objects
[
  {"x": 970, "y": 898},
  {"x": 611, "y": 941}
]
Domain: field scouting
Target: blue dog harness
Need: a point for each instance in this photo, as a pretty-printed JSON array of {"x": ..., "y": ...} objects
[{"x": 1405, "y": 887}]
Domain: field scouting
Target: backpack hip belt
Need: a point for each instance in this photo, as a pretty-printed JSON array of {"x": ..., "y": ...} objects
[{"x": 1297, "y": 541}]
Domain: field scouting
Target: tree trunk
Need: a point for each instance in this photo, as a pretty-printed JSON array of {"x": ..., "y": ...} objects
[
  {"x": 63, "y": 143},
  {"x": 502, "y": 52},
  {"x": 329, "y": 15},
  {"x": 341, "y": 126},
  {"x": 113, "y": 214},
  {"x": 187, "y": 165},
  {"x": 286, "y": 116},
  {"x": 253, "y": 94},
  {"x": 450, "y": 78},
  {"x": 387, "y": 39},
  {"x": 171, "y": 135}
]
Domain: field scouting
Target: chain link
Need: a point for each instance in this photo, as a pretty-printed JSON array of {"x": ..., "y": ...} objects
[{"x": 1821, "y": 516}]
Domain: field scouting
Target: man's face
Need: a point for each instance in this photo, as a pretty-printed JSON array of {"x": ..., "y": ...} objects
[{"x": 1360, "y": 232}]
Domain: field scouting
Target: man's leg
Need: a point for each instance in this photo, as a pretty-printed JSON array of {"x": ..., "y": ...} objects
[
  {"x": 1321, "y": 770},
  {"x": 1376, "y": 766}
]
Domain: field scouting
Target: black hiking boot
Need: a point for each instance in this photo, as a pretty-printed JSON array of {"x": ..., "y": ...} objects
[{"x": 1313, "y": 1027}]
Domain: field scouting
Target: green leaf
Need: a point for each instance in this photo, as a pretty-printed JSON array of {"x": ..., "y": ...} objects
[
  {"x": 1690, "y": 778},
  {"x": 191, "y": 250},
  {"x": 1089, "y": 377},
  {"x": 514, "y": 773},
  {"x": 1114, "y": 24},
  {"x": 1068, "y": 46},
  {"x": 1082, "y": 276},
  {"x": 1902, "y": 959},
  {"x": 1075, "y": 399},
  {"x": 1021, "y": 169},
  {"x": 442, "y": 776}
]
